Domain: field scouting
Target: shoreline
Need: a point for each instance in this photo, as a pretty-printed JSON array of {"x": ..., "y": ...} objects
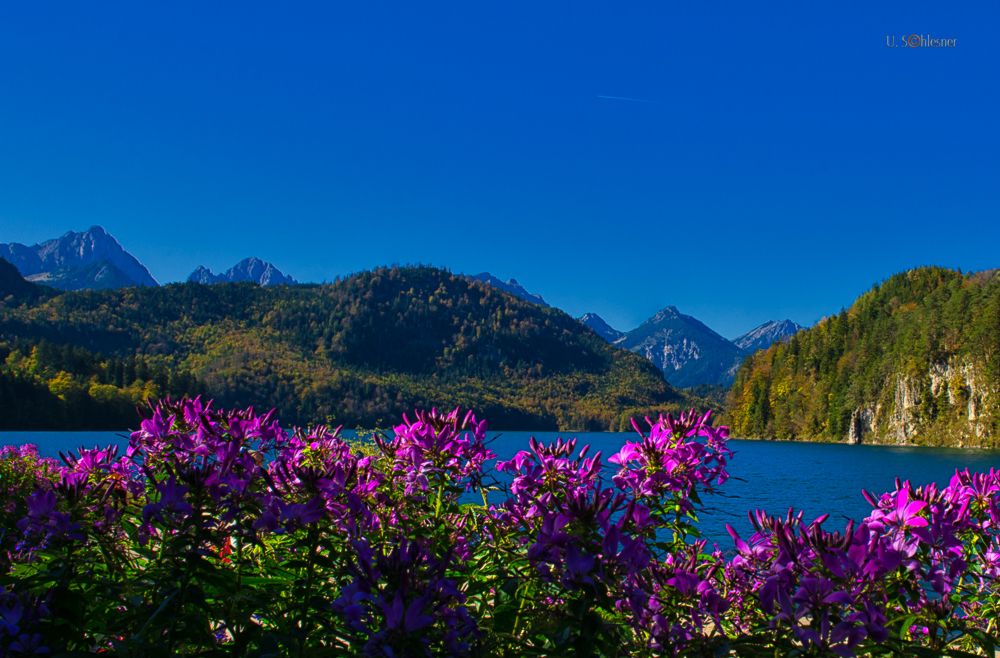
[{"x": 125, "y": 435}]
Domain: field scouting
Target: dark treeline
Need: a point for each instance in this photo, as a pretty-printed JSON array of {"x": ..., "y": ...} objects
[
  {"x": 15, "y": 291},
  {"x": 912, "y": 328},
  {"x": 45, "y": 386},
  {"x": 361, "y": 350}
]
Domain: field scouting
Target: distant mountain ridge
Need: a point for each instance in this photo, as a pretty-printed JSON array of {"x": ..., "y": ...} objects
[
  {"x": 79, "y": 261},
  {"x": 763, "y": 336},
  {"x": 249, "y": 269},
  {"x": 687, "y": 351},
  {"x": 603, "y": 329},
  {"x": 511, "y": 286},
  {"x": 370, "y": 346}
]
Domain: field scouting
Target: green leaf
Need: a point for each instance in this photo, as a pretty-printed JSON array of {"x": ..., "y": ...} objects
[{"x": 904, "y": 630}]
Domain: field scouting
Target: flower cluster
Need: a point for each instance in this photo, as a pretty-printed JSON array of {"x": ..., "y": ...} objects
[
  {"x": 437, "y": 449},
  {"x": 218, "y": 531},
  {"x": 925, "y": 558},
  {"x": 21, "y": 469},
  {"x": 671, "y": 459},
  {"x": 420, "y": 608},
  {"x": 601, "y": 546}
]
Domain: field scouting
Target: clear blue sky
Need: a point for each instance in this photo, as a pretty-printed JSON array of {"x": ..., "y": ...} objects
[{"x": 788, "y": 158}]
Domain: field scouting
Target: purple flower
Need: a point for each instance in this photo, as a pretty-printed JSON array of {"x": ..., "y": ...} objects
[
  {"x": 438, "y": 449},
  {"x": 28, "y": 645},
  {"x": 814, "y": 593},
  {"x": 10, "y": 613},
  {"x": 666, "y": 461},
  {"x": 903, "y": 513},
  {"x": 42, "y": 515},
  {"x": 577, "y": 565},
  {"x": 412, "y": 619},
  {"x": 351, "y": 606},
  {"x": 172, "y": 502},
  {"x": 303, "y": 513},
  {"x": 42, "y": 503},
  {"x": 155, "y": 428},
  {"x": 872, "y": 620}
]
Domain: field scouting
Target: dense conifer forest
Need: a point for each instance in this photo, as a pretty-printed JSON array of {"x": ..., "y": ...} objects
[
  {"x": 916, "y": 359},
  {"x": 68, "y": 388},
  {"x": 360, "y": 351}
]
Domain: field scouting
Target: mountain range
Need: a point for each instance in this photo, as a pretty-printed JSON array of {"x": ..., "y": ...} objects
[
  {"x": 362, "y": 350},
  {"x": 92, "y": 260},
  {"x": 248, "y": 269},
  {"x": 684, "y": 349},
  {"x": 763, "y": 336},
  {"x": 511, "y": 286},
  {"x": 688, "y": 352},
  {"x": 915, "y": 360}
]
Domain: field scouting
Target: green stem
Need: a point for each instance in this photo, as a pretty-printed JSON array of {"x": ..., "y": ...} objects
[
  {"x": 437, "y": 505},
  {"x": 310, "y": 574},
  {"x": 520, "y": 609},
  {"x": 186, "y": 580},
  {"x": 236, "y": 629}
]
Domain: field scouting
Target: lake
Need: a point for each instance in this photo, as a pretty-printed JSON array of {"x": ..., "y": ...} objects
[{"x": 816, "y": 477}]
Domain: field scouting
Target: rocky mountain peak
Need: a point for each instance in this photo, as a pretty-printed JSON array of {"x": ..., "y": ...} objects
[
  {"x": 511, "y": 286},
  {"x": 760, "y": 338},
  {"x": 688, "y": 352},
  {"x": 68, "y": 262},
  {"x": 201, "y": 275},
  {"x": 669, "y": 312},
  {"x": 249, "y": 269},
  {"x": 603, "y": 329}
]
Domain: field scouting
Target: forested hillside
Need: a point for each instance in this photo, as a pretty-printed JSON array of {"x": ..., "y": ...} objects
[
  {"x": 916, "y": 359},
  {"x": 360, "y": 351},
  {"x": 45, "y": 386}
]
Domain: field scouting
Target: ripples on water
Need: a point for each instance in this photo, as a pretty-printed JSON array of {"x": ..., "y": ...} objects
[{"x": 816, "y": 477}]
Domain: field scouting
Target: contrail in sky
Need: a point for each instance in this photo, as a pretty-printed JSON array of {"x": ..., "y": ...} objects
[{"x": 637, "y": 100}]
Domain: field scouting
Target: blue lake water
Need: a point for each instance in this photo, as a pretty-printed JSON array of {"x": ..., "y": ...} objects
[{"x": 816, "y": 477}]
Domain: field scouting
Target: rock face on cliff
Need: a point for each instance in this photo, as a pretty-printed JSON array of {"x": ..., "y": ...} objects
[
  {"x": 603, "y": 329},
  {"x": 78, "y": 261},
  {"x": 953, "y": 401},
  {"x": 99, "y": 275},
  {"x": 688, "y": 352},
  {"x": 762, "y": 337},
  {"x": 249, "y": 269},
  {"x": 511, "y": 286}
]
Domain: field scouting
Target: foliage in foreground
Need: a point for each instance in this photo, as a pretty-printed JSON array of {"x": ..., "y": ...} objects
[{"x": 219, "y": 534}]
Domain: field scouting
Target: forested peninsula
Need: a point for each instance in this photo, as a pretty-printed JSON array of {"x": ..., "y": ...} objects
[
  {"x": 915, "y": 360},
  {"x": 360, "y": 351}
]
